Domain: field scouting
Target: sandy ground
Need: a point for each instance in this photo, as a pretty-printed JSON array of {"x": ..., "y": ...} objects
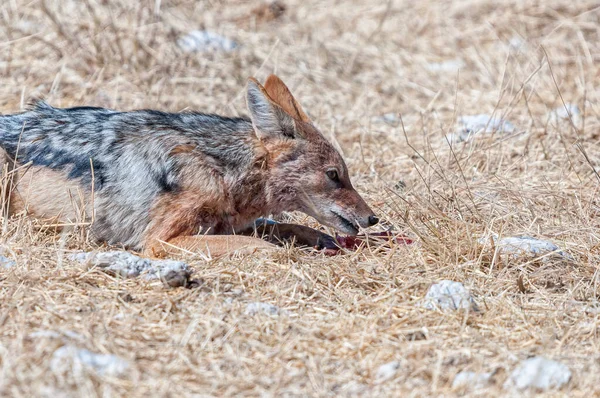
[{"x": 388, "y": 82}]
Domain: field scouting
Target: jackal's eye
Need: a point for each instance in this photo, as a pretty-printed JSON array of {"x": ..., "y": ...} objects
[{"x": 333, "y": 175}]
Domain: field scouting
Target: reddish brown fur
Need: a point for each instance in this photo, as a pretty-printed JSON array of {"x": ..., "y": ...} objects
[
  {"x": 208, "y": 203},
  {"x": 281, "y": 95},
  {"x": 213, "y": 245}
]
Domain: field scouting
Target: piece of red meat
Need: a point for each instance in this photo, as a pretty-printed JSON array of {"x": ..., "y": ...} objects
[{"x": 354, "y": 242}]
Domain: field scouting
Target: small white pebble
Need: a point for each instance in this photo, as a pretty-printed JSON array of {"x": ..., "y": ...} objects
[
  {"x": 562, "y": 114},
  {"x": 129, "y": 265},
  {"x": 264, "y": 308},
  {"x": 6, "y": 262},
  {"x": 205, "y": 41},
  {"x": 72, "y": 358},
  {"x": 448, "y": 295},
  {"x": 451, "y": 65},
  {"x": 472, "y": 125},
  {"x": 526, "y": 245},
  {"x": 517, "y": 43},
  {"x": 388, "y": 118},
  {"x": 538, "y": 373},
  {"x": 471, "y": 380},
  {"x": 387, "y": 371},
  {"x": 516, "y": 246}
]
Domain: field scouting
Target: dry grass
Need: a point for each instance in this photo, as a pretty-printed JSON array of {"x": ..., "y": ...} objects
[{"x": 347, "y": 62}]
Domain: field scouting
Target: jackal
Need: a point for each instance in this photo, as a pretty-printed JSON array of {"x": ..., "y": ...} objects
[{"x": 189, "y": 180}]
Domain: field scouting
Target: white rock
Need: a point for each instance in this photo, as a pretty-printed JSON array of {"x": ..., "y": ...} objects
[
  {"x": 6, "y": 262},
  {"x": 388, "y": 118},
  {"x": 448, "y": 295},
  {"x": 128, "y": 265},
  {"x": 538, "y": 373},
  {"x": 526, "y": 245},
  {"x": 72, "y": 358},
  {"x": 26, "y": 26},
  {"x": 205, "y": 41},
  {"x": 562, "y": 112},
  {"x": 264, "y": 308},
  {"x": 387, "y": 371},
  {"x": 470, "y": 126},
  {"x": 517, "y": 43},
  {"x": 451, "y": 65},
  {"x": 471, "y": 379}
]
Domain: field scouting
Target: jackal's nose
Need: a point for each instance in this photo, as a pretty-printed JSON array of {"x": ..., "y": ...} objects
[{"x": 373, "y": 220}]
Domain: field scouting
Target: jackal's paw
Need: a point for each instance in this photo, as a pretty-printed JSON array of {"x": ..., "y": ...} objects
[{"x": 326, "y": 242}]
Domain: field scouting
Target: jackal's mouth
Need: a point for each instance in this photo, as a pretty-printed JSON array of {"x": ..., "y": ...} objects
[{"x": 347, "y": 225}]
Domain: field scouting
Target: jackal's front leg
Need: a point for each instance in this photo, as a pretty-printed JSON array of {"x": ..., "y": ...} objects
[
  {"x": 210, "y": 245},
  {"x": 299, "y": 235}
]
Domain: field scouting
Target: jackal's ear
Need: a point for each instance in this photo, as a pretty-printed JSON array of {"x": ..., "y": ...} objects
[
  {"x": 268, "y": 118},
  {"x": 282, "y": 96}
]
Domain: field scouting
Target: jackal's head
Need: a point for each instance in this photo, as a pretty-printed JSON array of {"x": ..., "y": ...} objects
[{"x": 306, "y": 172}]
